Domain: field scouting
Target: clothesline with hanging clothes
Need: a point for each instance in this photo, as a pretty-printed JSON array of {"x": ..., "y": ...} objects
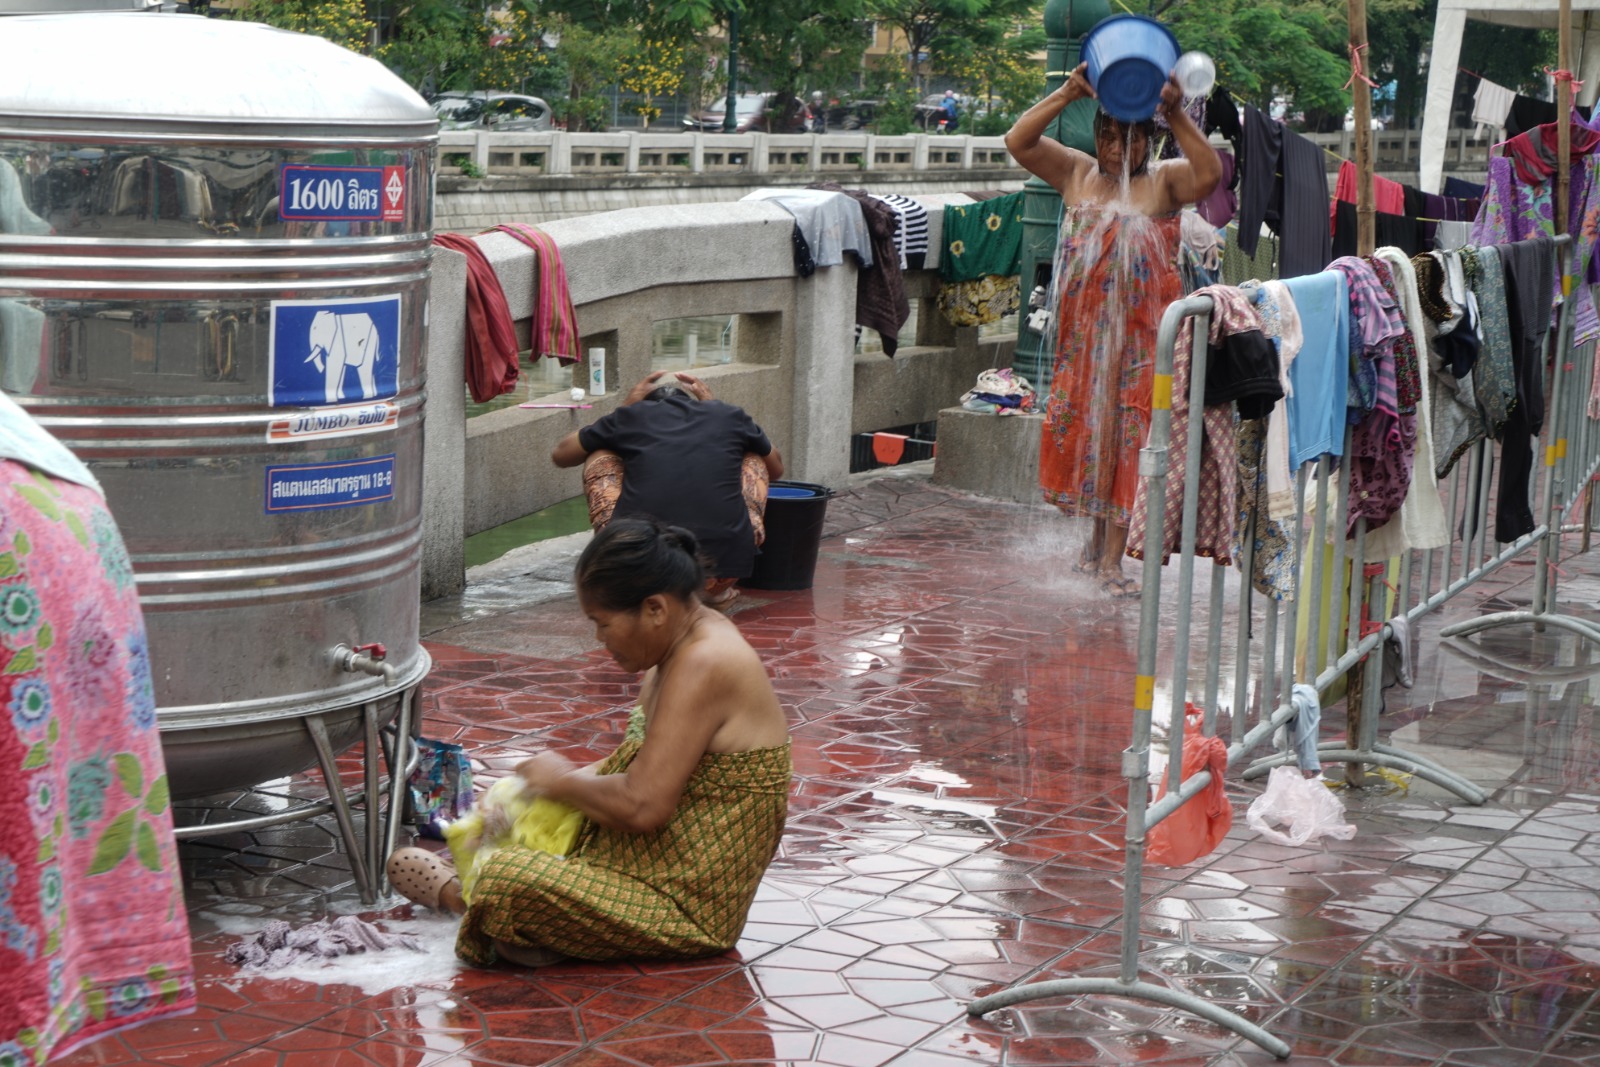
[{"x": 1421, "y": 357}]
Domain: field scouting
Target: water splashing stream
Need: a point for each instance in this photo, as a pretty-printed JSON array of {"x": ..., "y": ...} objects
[{"x": 1115, "y": 273}]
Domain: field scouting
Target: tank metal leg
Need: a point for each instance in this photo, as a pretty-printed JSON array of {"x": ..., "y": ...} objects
[
  {"x": 341, "y": 808},
  {"x": 371, "y": 761},
  {"x": 399, "y": 755}
]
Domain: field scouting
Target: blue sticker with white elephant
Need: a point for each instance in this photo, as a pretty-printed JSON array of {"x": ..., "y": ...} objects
[{"x": 333, "y": 351}]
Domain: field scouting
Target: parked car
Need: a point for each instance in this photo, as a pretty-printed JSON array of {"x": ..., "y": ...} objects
[
  {"x": 494, "y": 111},
  {"x": 752, "y": 112},
  {"x": 855, "y": 115}
]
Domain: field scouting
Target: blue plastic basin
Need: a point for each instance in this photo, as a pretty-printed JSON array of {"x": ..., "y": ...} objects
[
  {"x": 792, "y": 492},
  {"x": 1129, "y": 58}
]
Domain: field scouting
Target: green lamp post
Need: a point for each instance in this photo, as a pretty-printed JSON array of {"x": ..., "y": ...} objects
[{"x": 1065, "y": 23}]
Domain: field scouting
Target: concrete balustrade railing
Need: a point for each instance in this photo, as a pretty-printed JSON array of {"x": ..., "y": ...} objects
[
  {"x": 558, "y": 153},
  {"x": 794, "y": 369}
]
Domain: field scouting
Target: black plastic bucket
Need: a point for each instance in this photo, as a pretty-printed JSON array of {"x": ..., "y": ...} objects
[{"x": 788, "y": 557}]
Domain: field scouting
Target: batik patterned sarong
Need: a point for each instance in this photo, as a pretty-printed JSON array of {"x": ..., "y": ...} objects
[{"x": 678, "y": 892}]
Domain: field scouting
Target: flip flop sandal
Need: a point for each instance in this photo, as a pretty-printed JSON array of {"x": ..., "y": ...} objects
[
  {"x": 1121, "y": 588},
  {"x": 419, "y": 876}
]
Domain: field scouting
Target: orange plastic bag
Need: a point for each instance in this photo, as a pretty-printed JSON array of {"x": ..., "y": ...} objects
[{"x": 1202, "y": 821}]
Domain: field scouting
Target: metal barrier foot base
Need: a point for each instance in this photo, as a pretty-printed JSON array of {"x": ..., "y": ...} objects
[
  {"x": 1399, "y": 760},
  {"x": 1511, "y": 618},
  {"x": 1138, "y": 990},
  {"x": 1265, "y": 764}
]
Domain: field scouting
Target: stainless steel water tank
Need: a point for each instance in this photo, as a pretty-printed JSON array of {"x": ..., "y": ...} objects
[{"x": 214, "y": 247}]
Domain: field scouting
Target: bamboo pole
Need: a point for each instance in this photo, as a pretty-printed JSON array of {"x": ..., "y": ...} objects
[
  {"x": 1366, "y": 244},
  {"x": 1361, "y": 100},
  {"x": 1563, "y": 115}
]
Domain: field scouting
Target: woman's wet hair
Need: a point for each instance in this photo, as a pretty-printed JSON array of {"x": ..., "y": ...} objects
[
  {"x": 1105, "y": 126},
  {"x": 635, "y": 558}
]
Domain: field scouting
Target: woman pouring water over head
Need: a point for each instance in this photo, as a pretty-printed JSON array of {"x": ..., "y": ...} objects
[{"x": 1116, "y": 270}]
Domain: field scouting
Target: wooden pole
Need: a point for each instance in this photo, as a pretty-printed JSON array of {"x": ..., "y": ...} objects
[
  {"x": 1563, "y": 115},
  {"x": 1361, "y": 100},
  {"x": 1366, "y": 244}
]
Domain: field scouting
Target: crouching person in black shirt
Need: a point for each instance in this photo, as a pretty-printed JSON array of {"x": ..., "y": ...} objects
[{"x": 672, "y": 452}]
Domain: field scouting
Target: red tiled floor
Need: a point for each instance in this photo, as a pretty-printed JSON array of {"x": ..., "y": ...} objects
[{"x": 960, "y": 706}]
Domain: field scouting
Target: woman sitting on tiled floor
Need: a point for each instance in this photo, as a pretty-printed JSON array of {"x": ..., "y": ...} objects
[{"x": 680, "y": 821}]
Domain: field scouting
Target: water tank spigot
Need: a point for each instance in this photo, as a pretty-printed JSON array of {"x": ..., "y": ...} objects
[{"x": 367, "y": 659}]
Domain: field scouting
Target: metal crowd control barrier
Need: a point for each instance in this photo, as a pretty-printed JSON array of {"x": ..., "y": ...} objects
[{"x": 1269, "y": 655}]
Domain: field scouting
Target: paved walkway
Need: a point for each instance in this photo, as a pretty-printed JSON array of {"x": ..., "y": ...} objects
[{"x": 959, "y": 703}]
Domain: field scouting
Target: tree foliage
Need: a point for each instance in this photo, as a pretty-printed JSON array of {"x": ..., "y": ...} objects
[
  {"x": 999, "y": 68},
  {"x": 654, "y": 69},
  {"x": 1288, "y": 52},
  {"x": 946, "y": 34},
  {"x": 592, "y": 56},
  {"x": 344, "y": 22},
  {"x": 788, "y": 46}
]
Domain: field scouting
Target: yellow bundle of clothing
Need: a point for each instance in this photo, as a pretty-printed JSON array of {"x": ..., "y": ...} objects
[{"x": 507, "y": 816}]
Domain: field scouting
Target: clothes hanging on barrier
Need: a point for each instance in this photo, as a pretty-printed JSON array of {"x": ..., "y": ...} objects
[
  {"x": 1490, "y": 105},
  {"x": 1461, "y": 188},
  {"x": 1316, "y": 404},
  {"x": 1529, "y": 268},
  {"x": 1421, "y": 523},
  {"x": 1217, "y": 489},
  {"x": 830, "y": 223},
  {"x": 1535, "y": 156},
  {"x": 979, "y": 301},
  {"x": 1238, "y": 268},
  {"x": 1514, "y": 210},
  {"x": 881, "y": 302},
  {"x": 1450, "y": 235},
  {"x": 980, "y": 260},
  {"x": 1494, "y": 378},
  {"x": 1451, "y": 328},
  {"x": 1280, "y": 320},
  {"x": 1200, "y": 251},
  {"x": 1388, "y": 196},
  {"x": 911, "y": 239},
  {"x": 491, "y": 363},
  {"x": 1222, "y": 203},
  {"x": 553, "y": 327},
  {"x": 1272, "y": 550},
  {"x": 1382, "y": 443},
  {"x": 982, "y": 238},
  {"x": 1399, "y": 231},
  {"x": 1356, "y": 336},
  {"x": 1284, "y": 184}
]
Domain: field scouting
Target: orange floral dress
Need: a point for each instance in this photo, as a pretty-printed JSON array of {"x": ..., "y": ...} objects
[{"x": 1115, "y": 275}]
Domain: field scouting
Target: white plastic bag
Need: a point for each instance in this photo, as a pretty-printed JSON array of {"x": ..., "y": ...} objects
[{"x": 1307, "y": 806}]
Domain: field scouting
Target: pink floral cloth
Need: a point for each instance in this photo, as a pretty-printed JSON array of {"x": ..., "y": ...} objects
[
  {"x": 93, "y": 933},
  {"x": 1218, "y": 489}
]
